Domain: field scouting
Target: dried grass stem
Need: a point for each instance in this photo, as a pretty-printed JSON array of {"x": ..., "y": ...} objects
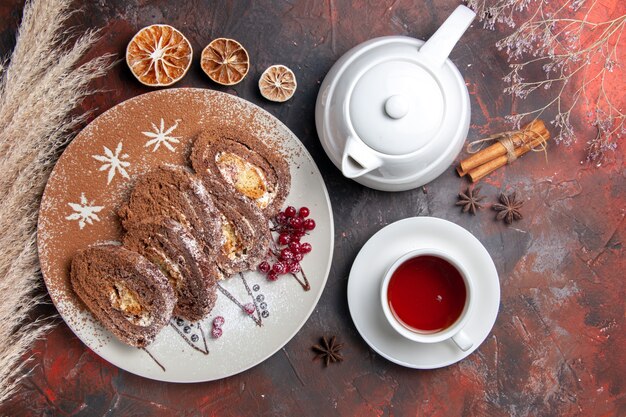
[{"x": 40, "y": 86}]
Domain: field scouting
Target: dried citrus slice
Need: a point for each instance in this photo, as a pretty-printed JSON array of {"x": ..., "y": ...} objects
[
  {"x": 159, "y": 55},
  {"x": 278, "y": 83},
  {"x": 225, "y": 61}
]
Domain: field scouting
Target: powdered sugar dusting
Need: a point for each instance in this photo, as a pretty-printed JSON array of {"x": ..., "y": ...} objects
[
  {"x": 160, "y": 136},
  {"x": 84, "y": 212},
  {"x": 113, "y": 162},
  {"x": 191, "y": 245}
]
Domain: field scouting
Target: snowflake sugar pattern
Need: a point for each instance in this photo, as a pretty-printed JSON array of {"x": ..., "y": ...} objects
[
  {"x": 84, "y": 212},
  {"x": 161, "y": 136},
  {"x": 114, "y": 162}
]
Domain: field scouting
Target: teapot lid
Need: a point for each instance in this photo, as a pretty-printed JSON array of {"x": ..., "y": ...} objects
[{"x": 397, "y": 106}]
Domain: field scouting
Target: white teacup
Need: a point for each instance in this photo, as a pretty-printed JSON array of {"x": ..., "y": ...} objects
[{"x": 454, "y": 331}]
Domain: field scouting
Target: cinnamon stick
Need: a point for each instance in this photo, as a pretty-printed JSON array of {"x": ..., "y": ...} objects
[
  {"x": 487, "y": 168},
  {"x": 530, "y": 132}
]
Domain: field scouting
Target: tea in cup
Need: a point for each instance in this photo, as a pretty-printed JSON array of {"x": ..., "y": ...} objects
[{"x": 426, "y": 296}]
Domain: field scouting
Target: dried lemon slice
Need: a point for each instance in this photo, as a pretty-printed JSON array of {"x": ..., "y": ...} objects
[
  {"x": 278, "y": 83},
  {"x": 225, "y": 61},
  {"x": 159, "y": 55}
]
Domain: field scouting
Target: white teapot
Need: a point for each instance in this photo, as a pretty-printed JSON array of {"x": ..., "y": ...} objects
[{"x": 393, "y": 112}]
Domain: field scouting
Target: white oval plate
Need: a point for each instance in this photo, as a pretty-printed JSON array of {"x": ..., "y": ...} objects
[
  {"x": 78, "y": 179},
  {"x": 381, "y": 251}
]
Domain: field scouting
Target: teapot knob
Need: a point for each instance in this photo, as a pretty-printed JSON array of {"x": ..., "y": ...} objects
[{"x": 396, "y": 106}]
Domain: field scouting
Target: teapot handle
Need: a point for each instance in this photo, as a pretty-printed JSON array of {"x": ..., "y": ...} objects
[
  {"x": 358, "y": 159},
  {"x": 438, "y": 47}
]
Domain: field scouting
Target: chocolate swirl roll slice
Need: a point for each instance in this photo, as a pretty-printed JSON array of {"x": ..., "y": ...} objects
[
  {"x": 178, "y": 255},
  {"x": 245, "y": 234},
  {"x": 178, "y": 194},
  {"x": 130, "y": 296},
  {"x": 244, "y": 164}
]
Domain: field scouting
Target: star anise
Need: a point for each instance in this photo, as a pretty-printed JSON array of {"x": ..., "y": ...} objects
[
  {"x": 470, "y": 200},
  {"x": 328, "y": 350},
  {"x": 509, "y": 210}
]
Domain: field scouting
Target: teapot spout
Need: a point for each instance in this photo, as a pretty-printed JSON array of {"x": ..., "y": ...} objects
[
  {"x": 439, "y": 46},
  {"x": 358, "y": 159}
]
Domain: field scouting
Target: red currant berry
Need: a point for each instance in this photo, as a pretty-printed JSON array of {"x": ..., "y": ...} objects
[
  {"x": 304, "y": 212},
  {"x": 216, "y": 332},
  {"x": 294, "y": 267},
  {"x": 309, "y": 224},
  {"x": 284, "y": 239},
  {"x": 279, "y": 268},
  {"x": 264, "y": 267},
  {"x": 290, "y": 211},
  {"x": 305, "y": 247},
  {"x": 272, "y": 276},
  {"x": 296, "y": 222},
  {"x": 286, "y": 254},
  {"x": 218, "y": 321},
  {"x": 294, "y": 247},
  {"x": 281, "y": 218},
  {"x": 249, "y": 308},
  {"x": 298, "y": 257}
]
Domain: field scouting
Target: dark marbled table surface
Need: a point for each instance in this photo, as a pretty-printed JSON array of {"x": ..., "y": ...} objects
[{"x": 558, "y": 345}]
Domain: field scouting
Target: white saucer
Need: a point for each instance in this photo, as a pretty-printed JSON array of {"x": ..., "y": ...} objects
[{"x": 377, "y": 255}]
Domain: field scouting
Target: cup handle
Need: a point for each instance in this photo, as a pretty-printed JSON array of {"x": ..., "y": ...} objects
[{"x": 463, "y": 341}]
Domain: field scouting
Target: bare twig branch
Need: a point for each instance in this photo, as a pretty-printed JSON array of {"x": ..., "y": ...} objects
[{"x": 580, "y": 57}]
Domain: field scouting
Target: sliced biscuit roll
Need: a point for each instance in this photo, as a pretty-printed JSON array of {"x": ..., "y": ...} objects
[
  {"x": 174, "y": 192},
  {"x": 244, "y": 164},
  {"x": 244, "y": 231},
  {"x": 176, "y": 252},
  {"x": 130, "y": 296}
]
